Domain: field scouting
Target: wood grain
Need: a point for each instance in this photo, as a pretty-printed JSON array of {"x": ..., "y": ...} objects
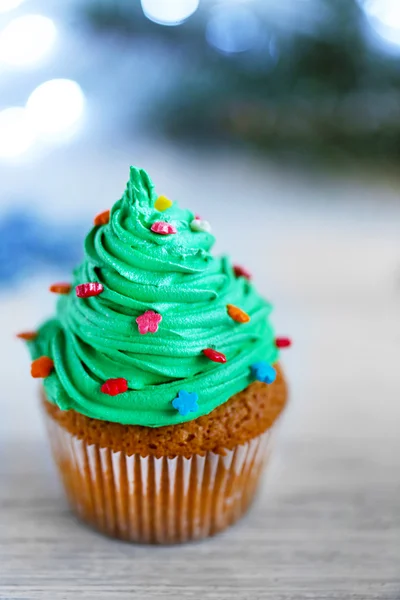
[{"x": 326, "y": 525}]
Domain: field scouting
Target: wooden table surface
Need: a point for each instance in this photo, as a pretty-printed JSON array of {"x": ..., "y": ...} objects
[{"x": 326, "y": 524}]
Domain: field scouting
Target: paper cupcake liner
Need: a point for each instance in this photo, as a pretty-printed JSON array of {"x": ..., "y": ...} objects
[{"x": 157, "y": 500}]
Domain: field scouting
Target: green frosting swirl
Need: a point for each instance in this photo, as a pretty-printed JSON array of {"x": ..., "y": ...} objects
[{"x": 94, "y": 339}]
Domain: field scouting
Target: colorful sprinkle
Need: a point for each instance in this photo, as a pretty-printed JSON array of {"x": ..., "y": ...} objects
[
  {"x": 283, "y": 342},
  {"x": 86, "y": 290},
  {"x": 186, "y": 403},
  {"x": 163, "y": 228},
  {"x": 27, "y": 335},
  {"x": 200, "y": 225},
  {"x": 214, "y": 355},
  {"x": 262, "y": 371},
  {"x": 162, "y": 203},
  {"x": 241, "y": 272},
  {"x": 42, "y": 367},
  {"x": 148, "y": 322},
  {"x": 237, "y": 314},
  {"x": 60, "y": 288},
  {"x": 113, "y": 387},
  {"x": 102, "y": 218}
]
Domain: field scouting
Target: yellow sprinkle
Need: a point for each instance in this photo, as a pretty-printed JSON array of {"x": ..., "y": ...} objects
[{"x": 162, "y": 203}]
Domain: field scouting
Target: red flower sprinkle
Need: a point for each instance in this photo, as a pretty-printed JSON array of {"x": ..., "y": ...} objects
[
  {"x": 283, "y": 342},
  {"x": 27, "y": 335},
  {"x": 113, "y": 387},
  {"x": 60, "y": 288},
  {"x": 86, "y": 290},
  {"x": 241, "y": 272},
  {"x": 42, "y": 367},
  {"x": 102, "y": 218},
  {"x": 163, "y": 228},
  {"x": 214, "y": 355},
  {"x": 148, "y": 322}
]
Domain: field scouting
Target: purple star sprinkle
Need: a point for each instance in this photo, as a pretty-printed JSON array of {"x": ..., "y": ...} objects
[{"x": 186, "y": 402}]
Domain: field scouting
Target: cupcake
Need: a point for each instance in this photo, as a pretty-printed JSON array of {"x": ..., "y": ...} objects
[{"x": 161, "y": 381}]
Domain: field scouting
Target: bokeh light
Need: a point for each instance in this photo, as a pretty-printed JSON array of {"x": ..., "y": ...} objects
[
  {"x": 26, "y": 40},
  {"x": 56, "y": 106},
  {"x": 16, "y": 132},
  {"x": 384, "y": 17},
  {"x": 169, "y": 12},
  {"x": 6, "y": 5},
  {"x": 232, "y": 29}
]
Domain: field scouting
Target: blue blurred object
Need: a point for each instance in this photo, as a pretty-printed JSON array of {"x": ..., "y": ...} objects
[{"x": 29, "y": 245}]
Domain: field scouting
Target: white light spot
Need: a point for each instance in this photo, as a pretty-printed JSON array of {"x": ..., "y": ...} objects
[
  {"x": 16, "y": 133},
  {"x": 233, "y": 29},
  {"x": 169, "y": 12},
  {"x": 6, "y": 5},
  {"x": 56, "y": 106},
  {"x": 384, "y": 17},
  {"x": 26, "y": 40}
]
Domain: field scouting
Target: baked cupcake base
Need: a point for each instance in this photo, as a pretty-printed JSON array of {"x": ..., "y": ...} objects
[{"x": 120, "y": 481}]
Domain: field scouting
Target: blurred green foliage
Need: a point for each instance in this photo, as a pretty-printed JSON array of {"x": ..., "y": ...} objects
[{"x": 330, "y": 90}]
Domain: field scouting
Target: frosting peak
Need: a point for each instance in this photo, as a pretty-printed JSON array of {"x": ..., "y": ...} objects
[{"x": 173, "y": 276}]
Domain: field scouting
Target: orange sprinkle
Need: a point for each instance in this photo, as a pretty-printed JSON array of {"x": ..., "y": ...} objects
[
  {"x": 60, "y": 288},
  {"x": 102, "y": 218},
  {"x": 237, "y": 314},
  {"x": 42, "y": 367},
  {"x": 27, "y": 335}
]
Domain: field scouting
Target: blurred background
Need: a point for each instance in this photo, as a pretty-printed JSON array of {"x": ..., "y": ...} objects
[{"x": 279, "y": 122}]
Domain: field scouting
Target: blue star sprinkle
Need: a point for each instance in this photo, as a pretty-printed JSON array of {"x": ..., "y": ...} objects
[
  {"x": 262, "y": 371},
  {"x": 186, "y": 402}
]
